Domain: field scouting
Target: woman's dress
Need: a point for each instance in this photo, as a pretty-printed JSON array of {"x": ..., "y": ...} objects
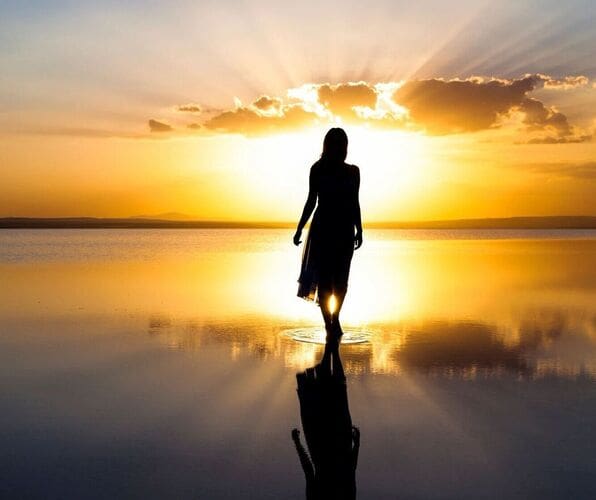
[{"x": 330, "y": 243}]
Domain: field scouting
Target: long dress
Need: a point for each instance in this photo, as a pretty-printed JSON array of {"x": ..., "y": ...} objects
[{"x": 329, "y": 245}]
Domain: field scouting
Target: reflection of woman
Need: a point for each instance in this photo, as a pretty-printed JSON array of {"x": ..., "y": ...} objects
[
  {"x": 332, "y": 440},
  {"x": 335, "y": 231}
]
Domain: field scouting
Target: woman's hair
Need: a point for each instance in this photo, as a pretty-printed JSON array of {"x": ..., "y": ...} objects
[{"x": 335, "y": 145}]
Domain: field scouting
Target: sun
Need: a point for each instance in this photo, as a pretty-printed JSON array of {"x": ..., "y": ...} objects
[
  {"x": 392, "y": 167},
  {"x": 266, "y": 177}
]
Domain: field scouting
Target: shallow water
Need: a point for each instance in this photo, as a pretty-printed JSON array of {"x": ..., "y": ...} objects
[{"x": 157, "y": 363}]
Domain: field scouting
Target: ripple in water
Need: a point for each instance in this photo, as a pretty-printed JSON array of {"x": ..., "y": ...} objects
[{"x": 316, "y": 335}]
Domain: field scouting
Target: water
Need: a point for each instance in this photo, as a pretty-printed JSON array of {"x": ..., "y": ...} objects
[{"x": 154, "y": 363}]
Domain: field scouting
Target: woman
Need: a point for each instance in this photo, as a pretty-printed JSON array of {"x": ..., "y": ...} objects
[{"x": 335, "y": 231}]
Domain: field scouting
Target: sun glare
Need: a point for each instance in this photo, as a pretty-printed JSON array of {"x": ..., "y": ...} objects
[
  {"x": 332, "y": 304},
  {"x": 270, "y": 173}
]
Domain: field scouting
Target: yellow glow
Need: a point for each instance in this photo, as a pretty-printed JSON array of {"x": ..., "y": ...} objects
[
  {"x": 193, "y": 290},
  {"x": 404, "y": 176},
  {"x": 332, "y": 304},
  {"x": 396, "y": 169}
]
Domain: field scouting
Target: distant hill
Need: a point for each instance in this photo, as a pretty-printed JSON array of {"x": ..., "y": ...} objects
[
  {"x": 165, "y": 216},
  {"x": 554, "y": 222},
  {"x": 124, "y": 223}
]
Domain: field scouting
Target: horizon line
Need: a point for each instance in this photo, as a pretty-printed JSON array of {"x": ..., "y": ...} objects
[{"x": 515, "y": 222}]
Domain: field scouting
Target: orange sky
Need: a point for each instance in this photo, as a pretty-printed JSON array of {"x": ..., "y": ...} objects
[{"x": 132, "y": 110}]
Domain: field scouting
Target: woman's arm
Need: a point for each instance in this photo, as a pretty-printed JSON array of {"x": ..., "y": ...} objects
[
  {"x": 357, "y": 215},
  {"x": 307, "y": 466},
  {"x": 355, "y": 447},
  {"x": 309, "y": 206}
]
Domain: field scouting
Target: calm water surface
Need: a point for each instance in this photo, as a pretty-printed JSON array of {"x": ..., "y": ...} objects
[{"x": 154, "y": 363}]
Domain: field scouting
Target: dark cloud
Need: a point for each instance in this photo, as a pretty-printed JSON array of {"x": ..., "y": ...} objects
[
  {"x": 156, "y": 126},
  {"x": 342, "y": 98},
  {"x": 194, "y": 126},
  {"x": 457, "y": 106},
  {"x": 538, "y": 117},
  {"x": 189, "y": 108},
  {"x": 448, "y": 107}
]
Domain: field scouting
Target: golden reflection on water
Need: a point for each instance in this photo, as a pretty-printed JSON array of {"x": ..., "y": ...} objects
[
  {"x": 462, "y": 349},
  {"x": 464, "y": 308}
]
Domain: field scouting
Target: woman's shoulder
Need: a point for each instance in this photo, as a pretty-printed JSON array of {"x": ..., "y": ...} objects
[
  {"x": 316, "y": 165},
  {"x": 353, "y": 169}
]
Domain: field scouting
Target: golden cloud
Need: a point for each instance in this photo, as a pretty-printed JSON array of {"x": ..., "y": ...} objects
[
  {"x": 266, "y": 102},
  {"x": 156, "y": 126},
  {"x": 435, "y": 106},
  {"x": 565, "y": 83},
  {"x": 456, "y": 106},
  {"x": 252, "y": 120},
  {"x": 189, "y": 108},
  {"x": 342, "y": 100}
]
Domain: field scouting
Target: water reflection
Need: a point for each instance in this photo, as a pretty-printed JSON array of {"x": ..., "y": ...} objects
[
  {"x": 154, "y": 363},
  {"x": 547, "y": 344},
  {"x": 524, "y": 303},
  {"x": 330, "y": 457},
  {"x": 216, "y": 275}
]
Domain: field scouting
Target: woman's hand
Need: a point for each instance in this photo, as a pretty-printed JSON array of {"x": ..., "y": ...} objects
[
  {"x": 297, "y": 236},
  {"x": 356, "y": 434},
  {"x": 357, "y": 241}
]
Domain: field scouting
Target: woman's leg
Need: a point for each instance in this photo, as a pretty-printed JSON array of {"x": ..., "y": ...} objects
[
  {"x": 324, "y": 296},
  {"x": 340, "y": 295},
  {"x": 340, "y": 287}
]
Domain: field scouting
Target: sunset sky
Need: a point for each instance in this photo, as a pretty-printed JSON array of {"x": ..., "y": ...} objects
[{"x": 217, "y": 109}]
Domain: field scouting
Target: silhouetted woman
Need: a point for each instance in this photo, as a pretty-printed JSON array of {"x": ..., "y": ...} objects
[{"x": 335, "y": 230}]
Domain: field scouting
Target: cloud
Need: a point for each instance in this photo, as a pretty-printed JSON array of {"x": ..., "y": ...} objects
[
  {"x": 459, "y": 106},
  {"x": 435, "y": 106},
  {"x": 565, "y": 83},
  {"x": 266, "y": 102},
  {"x": 343, "y": 99},
  {"x": 456, "y": 106},
  {"x": 310, "y": 104},
  {"x": 253, "y": 120},
  {"x": 583, "y": 170},
  {"x": 156, "y": 126},
  {"x": 194, "y": 126},
  {"x": 543, "y": 119},
  {"x": 560, "y": 140},
  {"x": 189, "y": 108}
]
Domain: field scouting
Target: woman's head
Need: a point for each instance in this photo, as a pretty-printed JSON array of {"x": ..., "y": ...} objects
[{"x": 335, "y": 145}]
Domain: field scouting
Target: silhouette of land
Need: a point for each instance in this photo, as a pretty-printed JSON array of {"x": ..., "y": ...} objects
[
  {"x": 126, "y": 223},
  {"x": 548, "y": 222}
]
